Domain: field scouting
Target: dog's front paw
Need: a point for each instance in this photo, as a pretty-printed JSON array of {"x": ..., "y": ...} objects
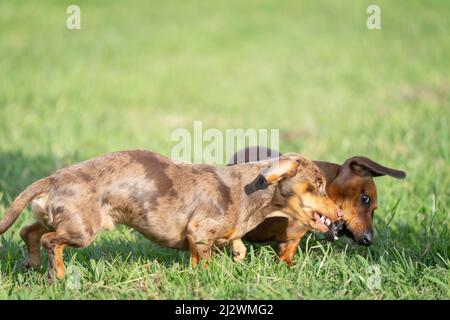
[
  {"x": 238, "y": 256},
  {"x": 239, "y": 250},
  {"x": 287, "y": 260}
]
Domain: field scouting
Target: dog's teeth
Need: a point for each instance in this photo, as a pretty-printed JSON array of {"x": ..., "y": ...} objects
[
  {"x": 327, "y": 221},
  {"x": 322, "y": 219}
]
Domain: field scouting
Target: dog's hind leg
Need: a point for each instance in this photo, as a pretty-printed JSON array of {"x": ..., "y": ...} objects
[
  {"x": 31, "y": 235},
  {"x": 54, "y": 246},
  {"x": 55, "y": 242}
]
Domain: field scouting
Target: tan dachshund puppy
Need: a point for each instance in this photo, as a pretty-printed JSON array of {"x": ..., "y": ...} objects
[
  {"x": 174, "y": 204},
  {"x": 349, "y": 185}
]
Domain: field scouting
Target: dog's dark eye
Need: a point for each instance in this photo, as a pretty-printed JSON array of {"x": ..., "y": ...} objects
[{"x": 365, "y": 200}]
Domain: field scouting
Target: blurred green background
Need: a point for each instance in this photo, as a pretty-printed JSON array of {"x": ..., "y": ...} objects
[{"x": 137, "y": 70}]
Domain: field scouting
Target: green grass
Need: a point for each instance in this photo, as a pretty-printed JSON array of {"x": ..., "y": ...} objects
[{"x": 137, "y": 70}]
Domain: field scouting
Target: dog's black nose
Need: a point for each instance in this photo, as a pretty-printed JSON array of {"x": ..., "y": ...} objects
[{"x": 367, "y": 239}]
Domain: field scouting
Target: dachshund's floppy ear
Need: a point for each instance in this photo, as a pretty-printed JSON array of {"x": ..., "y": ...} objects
[
  {"x": 283, "y": 167},
  {"x": 363, "y": 166}
]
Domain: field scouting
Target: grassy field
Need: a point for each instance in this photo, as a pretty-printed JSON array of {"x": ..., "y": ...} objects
[{"x": 137, "y": 70}]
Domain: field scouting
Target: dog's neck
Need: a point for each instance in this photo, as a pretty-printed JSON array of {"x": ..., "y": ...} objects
[
  {"x": 255, "y": 214},
  {"x": 253, "y": 208},
  {"x": 260, "y": 205},
  {"x": 265, "y": 201}
]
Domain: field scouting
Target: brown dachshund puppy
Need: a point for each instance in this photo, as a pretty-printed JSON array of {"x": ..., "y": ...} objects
[
  {"x": 349, "y": 185},
  {"x": 175, "y": 204}
]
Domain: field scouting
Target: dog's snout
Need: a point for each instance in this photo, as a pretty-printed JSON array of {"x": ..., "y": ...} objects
[{"x": 367, "y": 239}]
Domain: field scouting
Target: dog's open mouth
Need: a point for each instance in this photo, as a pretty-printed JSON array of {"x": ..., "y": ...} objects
[
  {"x": 322, "y": 222},
  {"x": 335, "y": 230}
]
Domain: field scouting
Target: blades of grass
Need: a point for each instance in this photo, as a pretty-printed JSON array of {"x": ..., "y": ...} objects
[{"x": 394, "y": 212}]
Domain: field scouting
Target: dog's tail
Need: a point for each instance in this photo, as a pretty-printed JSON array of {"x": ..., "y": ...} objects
[{"x": 22, "y": 201}]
